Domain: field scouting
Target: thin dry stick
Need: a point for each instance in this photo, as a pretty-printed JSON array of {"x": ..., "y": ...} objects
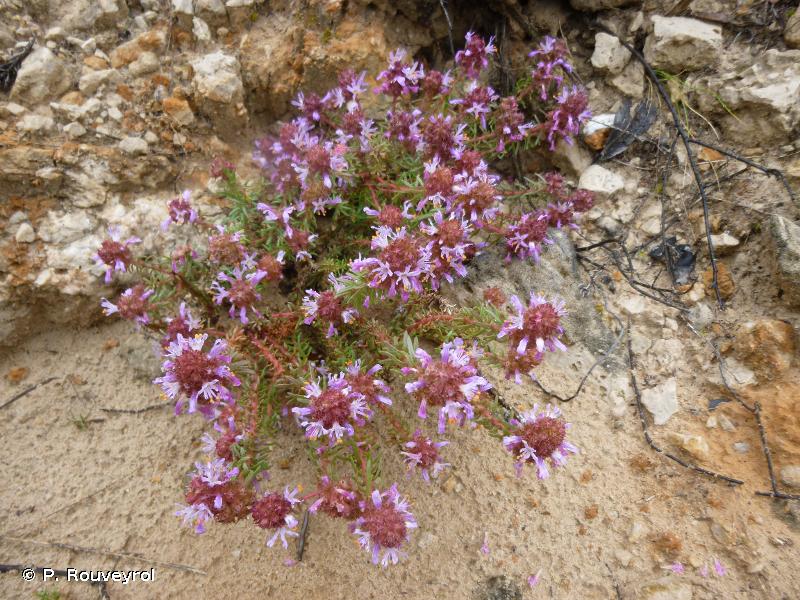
[
  {"x": 643, "y": 421},
  {"x": 692, "y": 159},
  {"x": 25, "y": 392},
  {"x": 125, "y": 555},
  {"x": 599, "y": 361}
]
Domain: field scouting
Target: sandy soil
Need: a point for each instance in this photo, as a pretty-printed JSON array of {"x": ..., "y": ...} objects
[{"x": 604, "y": 527}]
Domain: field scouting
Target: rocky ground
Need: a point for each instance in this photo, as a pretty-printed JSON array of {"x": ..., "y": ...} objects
[{"x": 121, "y": 104}]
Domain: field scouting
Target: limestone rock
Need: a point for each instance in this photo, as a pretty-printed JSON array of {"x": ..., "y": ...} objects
[
  {"x": 133, "y": 145},
  {"x": 791, "y": 33},
  {"x": 601, "y": 181},
  {"x": 609, "y": 55},
  {"x": 767, "y": 345},
  {"x": 42, "y": 75},
  {"x": 661, "y": 401},
  {"x": 786, "y": 243},
  {"x": 682, "y": 44},
  {"x": 218, "y": 89}
]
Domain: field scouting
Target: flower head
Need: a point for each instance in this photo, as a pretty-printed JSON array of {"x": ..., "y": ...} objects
[
  {"x": 423, "y": 454},
  {"x": 384, "y": 524},
  {"x": 214, "y": 492},
  {"x": 540, "y": 436},
  {"x": 450, "y": 382},
  {"x": 474, "y": 57},
  {"x": 180, "y": 210},
  {"x": 114, "y": 253},
  {"x": 132, "y": 305},
  {"x": 401, "y": 264},
  {"x": 274, "y": 511},
  {"x": 331, "y": 411},
  {"x": 336, "y": 499},
  {"x": 202, "y": 377},
  {"x": 241, "y": 292}
]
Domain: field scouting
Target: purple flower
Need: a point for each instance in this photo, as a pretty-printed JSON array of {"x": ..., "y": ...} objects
[
  {"x": 526, "y": 236},
  {"x": 372, "y": 389},
  {"x": 401, "y": 78},
  {"x": 570, "y": 113},
  {"x": 538, "y": 437},
  {"x": 274, "y": 511},
  {"x": 327, "y": 307},
  {"x": 384, "y": 525},
  {"x": 115, "y": 254},
  {"x": 241, "y": 293},
  {"x": 474, "y": 57},
  {"x": 477, "y": 101},
  {"x": 202, "y": 377},
  {"x": 550, "y": 65},
  {"x": 423, "y": 454},
  {"x": 402, "y": 262},
  {"x": 132, "y": 305},
  {"x": 509, "y": 123},
  {"x": 450, "y": 382},
  {"x": 538, "y": 324},
  {"x": 331, "y": 411},
  {"x": 180, "y": 211}
]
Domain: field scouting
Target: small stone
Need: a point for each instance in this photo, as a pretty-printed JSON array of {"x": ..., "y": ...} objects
[
  {"x": 726, "y": 423},
  {"x": 133, "y": 145},
  {"x": 679, "y": 44},
  {"x": 36, "y": 124},
  {"x": 25, "y": 234},
  {"x": 147, "y": 62},
  {"x": 597, "y": 130},
  {"x": 741, "y": 447},
  {"x": 696, "y": 445},
  {"x": 661, "y": 401},
  {"x": 601, "y": 181},
  {"x": 786, "y": 245},
  {"x": 178, "y": 110},
  {"x": 791, "y": 33},
  {"x": 666, "y": 588},
  {"x": 790, "y": 475},
  {"x": 724, "y": 243},
  {"x": 609, "y": 55}
]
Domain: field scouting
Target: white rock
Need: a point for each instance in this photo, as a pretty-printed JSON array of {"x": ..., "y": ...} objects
[
  {"x": 662, "y": 400},
  {"x": 631, "y": 81},
  {"x": 36, "y": 124},
  {"x": 54, "y": 33},
  {"x": 25, "y": 233},
  {"x": 182, "y": 7},
  {"x": 133, "y": 146},
  {"x": 91, "y": 80},
  {"x": 13, "y": 109},
  {"x": 74, "y": 130},
  {"x": 61, "y": 227},
  {"x": 216, "y": 78},
  {"x": 601, "y": 181},
  {"x": 790, "y": 475},
  {"x": 201, "y": 31},
  {"x": 42, "y": 76},
  {"x": 609, "y": 55},
  {"x": 724, "y": 243},
  {"x": 681, "y": 44},
  {"x": 146, "y": 63}
]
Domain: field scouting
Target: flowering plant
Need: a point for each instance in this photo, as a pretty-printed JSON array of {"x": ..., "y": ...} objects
[{"x": 297, "y": 312}]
